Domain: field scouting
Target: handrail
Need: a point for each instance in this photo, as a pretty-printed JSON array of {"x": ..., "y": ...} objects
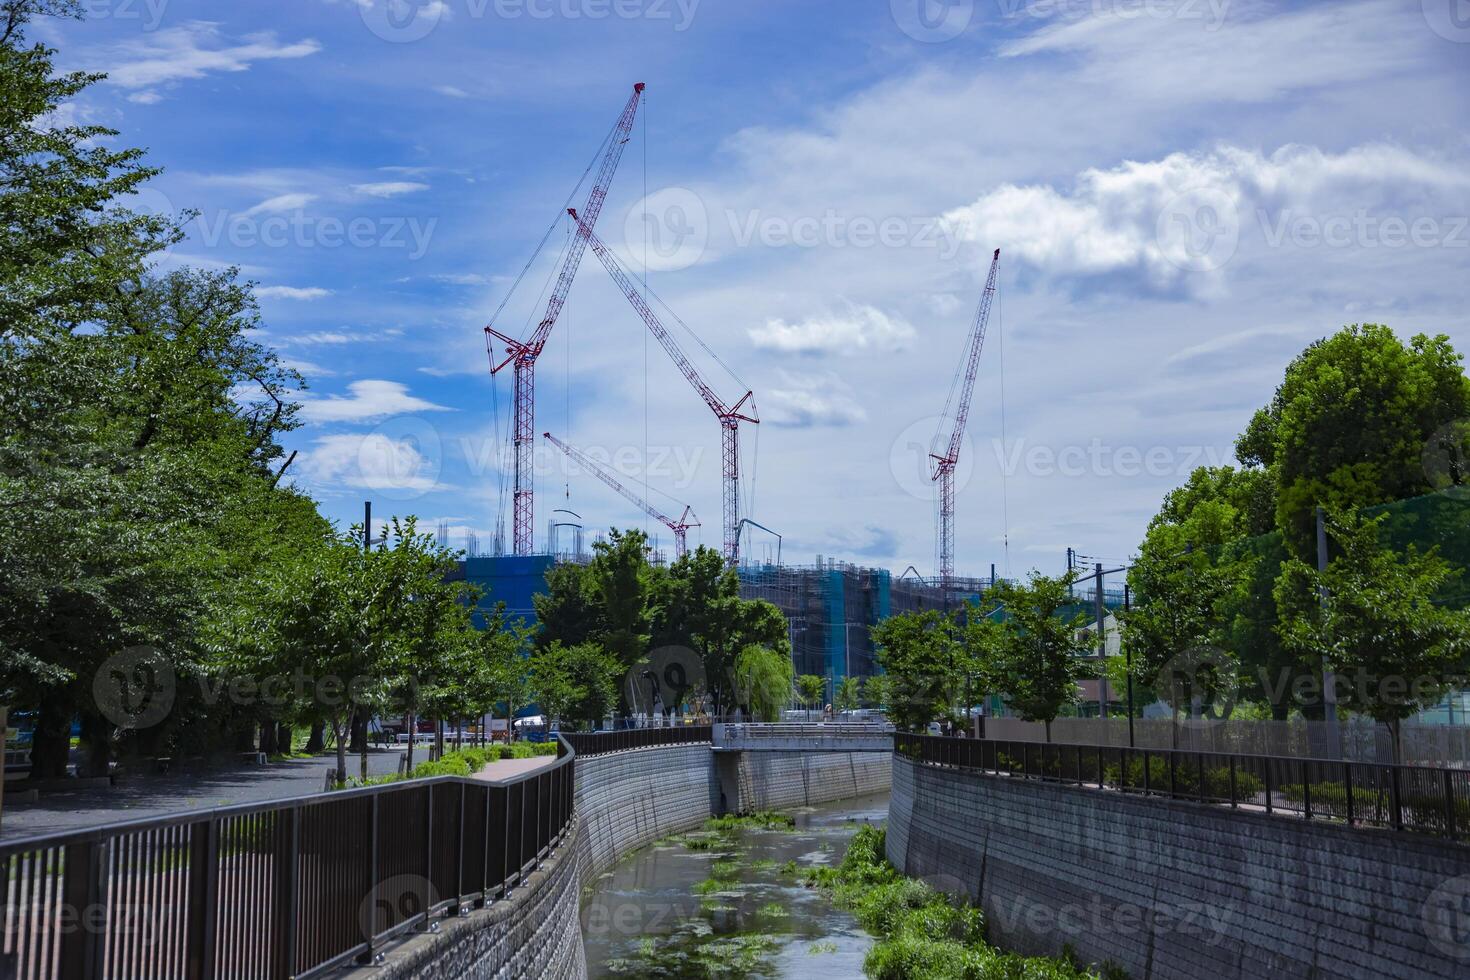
[
  {"x": 280, "y": 888},
  {"x": 1408, "y": 798},
  {"x": 619, "y": 740}
]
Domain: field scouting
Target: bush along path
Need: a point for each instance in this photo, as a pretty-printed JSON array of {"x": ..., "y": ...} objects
[
  {"x": 465, "y": 762},
  {"x": 921, "y": 933}
]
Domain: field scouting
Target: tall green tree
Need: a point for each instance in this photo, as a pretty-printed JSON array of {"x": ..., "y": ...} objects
[
  {"x": 922, "y": 659},
  {"x": 1037, "y": 667},
  {"x": 1350, "y": 423},
  {"x": 1393, "y": 649},
  {"x": 763, "y": 682}
]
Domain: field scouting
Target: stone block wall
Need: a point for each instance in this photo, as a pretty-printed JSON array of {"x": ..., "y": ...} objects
[
  {"x": 535, "y": 932},
  {"x": 778, "y": 780},
  {"x": 626, "y": 800},
  {"x": 1169, "y": 889}
]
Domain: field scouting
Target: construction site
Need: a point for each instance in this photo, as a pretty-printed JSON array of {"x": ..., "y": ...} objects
[{"x": 830, "y": 605}]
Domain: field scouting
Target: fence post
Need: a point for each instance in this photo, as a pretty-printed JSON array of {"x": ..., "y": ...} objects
[
  {"x": 287, "y": 868},
  {"x": 81, "y": 892},
  {"x": 203, "y": 898},
  {"x": 459, "y": 854},
  {"x": 1306, "y": 792},
  {"x": 1233, "y": 792},
  {"x": 372, "y": 895},
  {"x": 428, "y": 851},
  {"x": 1266, "y": 768},
  {"x": 1449, "y": 804},
  {"x": 1398, "y": 810},
  {"x": 1347, "y": 784}
]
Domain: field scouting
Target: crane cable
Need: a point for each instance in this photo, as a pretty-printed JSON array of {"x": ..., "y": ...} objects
[
  {"x": 1005, "y": 507},
  {"x": 555, "y": 221}
]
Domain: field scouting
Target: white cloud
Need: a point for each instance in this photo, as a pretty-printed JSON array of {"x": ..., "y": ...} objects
[
  {"x": 376, "y": 461},
  {"x": 391, "y": 188},
  {"x": 192, "y": 51},
  {"x": 281, "y": 203},
  {"x": 452, "y": 91},
  {"x": 806, "y": 400},
  {"x": 368, "y": 400},
  {"x": 1145, "y": 215},
  {"x": 145, "y": 98},
  {"x": 863, "y": 328},
  {"x": 292, "y": 292}
]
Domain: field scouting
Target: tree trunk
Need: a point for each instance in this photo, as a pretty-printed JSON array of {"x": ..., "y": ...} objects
[
  {"x": 438, "y": 738},
  {"x": 1393, "y": 734},
  {"x": 96, "y": 739},
  {"x": 359, "y": 731},
  {"x": 51, "y": 741},
  {"x": 339, "y": 735},
  {"x": 411, "y": 723},
  {"x": 1048, "y": 730},
  {"x": 268, "y": 738},
  {"x": 317, "y": 741},
  {"x": 285, "y": 739}
]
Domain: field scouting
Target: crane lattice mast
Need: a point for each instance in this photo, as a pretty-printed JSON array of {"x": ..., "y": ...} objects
[
  {"x": 944, "y": 464},
  {"x": 730, "y": 416},
  {"x": 523, "y": 354},
  {"x": 680, "y": 527}
]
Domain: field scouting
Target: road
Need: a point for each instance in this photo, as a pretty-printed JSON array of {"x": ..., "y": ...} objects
[{"x": 180, "y": 791}]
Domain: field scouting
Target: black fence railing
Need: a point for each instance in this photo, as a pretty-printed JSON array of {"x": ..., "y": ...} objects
[
  {"x": 599, "y": 743},
  {"x": 1418, "y": 799},
  {"x": 269, "y": 891}
]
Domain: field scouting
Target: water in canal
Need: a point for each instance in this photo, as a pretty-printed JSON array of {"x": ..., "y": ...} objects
[{"x": 730, "y": 904}]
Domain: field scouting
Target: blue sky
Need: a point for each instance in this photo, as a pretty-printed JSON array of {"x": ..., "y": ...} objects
[{"x": 1185, "y": 194}]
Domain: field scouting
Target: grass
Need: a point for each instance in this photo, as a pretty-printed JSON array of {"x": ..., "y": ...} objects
[
  {"x": 921, "y": 933},
  {"x": 759, "y": 820}
]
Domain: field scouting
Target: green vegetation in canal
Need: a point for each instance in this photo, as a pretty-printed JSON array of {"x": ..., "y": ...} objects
[
  {"x": 923, "y": 934},
  {"x": 759, "y": 820}
]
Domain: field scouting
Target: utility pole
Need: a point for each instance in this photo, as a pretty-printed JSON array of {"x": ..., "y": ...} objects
[
  {"x": 1102, "y": 644},
  {"x": 367, "y": 525},
  {"x": 1127, "y": 661},
  {"x": 1329, "y": 681}
]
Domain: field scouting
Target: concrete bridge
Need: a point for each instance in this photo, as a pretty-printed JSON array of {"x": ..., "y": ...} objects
[{"x": 842, "y": 736}]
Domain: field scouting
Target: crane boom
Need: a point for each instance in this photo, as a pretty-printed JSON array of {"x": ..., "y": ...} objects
[
  {"x": 944, "y": 465},
  {"x": 679, "y": 527},
  {"x": 523, "y": 354},
  {"x": 730, "y": 416}
]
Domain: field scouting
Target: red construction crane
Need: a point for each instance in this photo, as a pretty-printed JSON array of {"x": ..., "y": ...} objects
[
  {"x": 679, "y": 527},
  {"x": 944, "y": 464},
  {"x": 730, "y": 416},
  {"x": 523, "y": 354}
]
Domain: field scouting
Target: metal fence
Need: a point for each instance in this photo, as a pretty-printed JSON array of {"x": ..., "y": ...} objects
[
  {"x": 600, "y": 743},
  {"x": 288, "y": 888},
  {"x": 1358, "y": 740},
  {"x": 1419, "y": 799}
]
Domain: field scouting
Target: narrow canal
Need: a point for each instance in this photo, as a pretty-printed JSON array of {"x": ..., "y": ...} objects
[{"x": 728, "y": 901}]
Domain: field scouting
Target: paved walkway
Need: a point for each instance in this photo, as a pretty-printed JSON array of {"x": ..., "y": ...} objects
[
  {"x": 140, "y": 796},
  {"x": 495, "y": 772}
]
